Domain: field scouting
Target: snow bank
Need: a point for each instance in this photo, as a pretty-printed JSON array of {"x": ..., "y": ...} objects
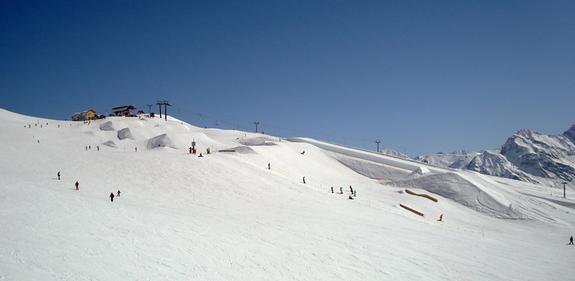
[
  {"x": 125, "y": 134},
  {"x": 160, "y": 141},
  {"x": 107, "y": 126},
  {"x": 110, "y": 144}
]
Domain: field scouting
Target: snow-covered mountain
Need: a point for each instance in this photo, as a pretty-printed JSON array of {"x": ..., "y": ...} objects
[
  {"x": 457, "y": 159},
  {"x": 257, "y": 208},
  {"x": 526, "y": 156}
]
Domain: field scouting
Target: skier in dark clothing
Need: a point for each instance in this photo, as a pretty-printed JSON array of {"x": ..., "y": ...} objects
[
  {"x": 304, "y": 180},
  {"x": 77, "y": 185},
  {"x": 332, "y": 189},
  {"x": 350, "y": 197},
  {"x": 350, "y": 189},
  {"x": 118, "y": 193},
  {"x": 571, "y": 240},
  {"x": 190, "y": 150},
  {"x": 340, "y": 190},
  {"x": 269, "y": 166},
  {"x": 58, "y": 175},
  {"x": 112, "y": 197}
]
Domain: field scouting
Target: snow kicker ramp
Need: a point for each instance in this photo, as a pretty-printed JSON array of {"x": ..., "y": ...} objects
[{"x": 370, "y": 156}]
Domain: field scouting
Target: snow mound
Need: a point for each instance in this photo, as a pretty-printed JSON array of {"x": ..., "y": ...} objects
[
  {"x": 125, "y": 134},
  {"x": 107, "y": 126},
  {"x": 421, "y": 170},
  {"x": 458, "y": 189},
  {"x": 160, "y": 141},
  {"x": 257, "y": 141},
  {"x": 110, "y": 144},
  {"x": 243, "y": 149}
]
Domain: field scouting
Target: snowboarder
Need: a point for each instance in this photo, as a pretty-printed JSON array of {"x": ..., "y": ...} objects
[
  {"x": 340, "y": 190},
  {"x": 303, "y": 180},
  {"x": 350, "y": 197},
  {"x": 332, "y": 189},
  {"x": 269, "y": 166},
  {"x": 112, "y": 197},
  {"x": 58, "y": 175},
  {"x": 118, "y": 193},
  {"x": 571, "y": 240},
  {"x": 440, "y": 217},
  {"x": 77, "y": 185},
  {"x": 350, "y": 189}
]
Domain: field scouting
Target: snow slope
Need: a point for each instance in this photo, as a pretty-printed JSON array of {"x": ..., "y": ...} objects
[{"x": 225, "y": 216}]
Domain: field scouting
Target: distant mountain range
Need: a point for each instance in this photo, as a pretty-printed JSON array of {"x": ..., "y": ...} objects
[{"x": 527, "y": 156}]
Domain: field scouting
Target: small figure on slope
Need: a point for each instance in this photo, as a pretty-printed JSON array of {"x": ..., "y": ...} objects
[
  {"x": 269, "y": 166},
  {"x": 118, "y": 193},
  {"x": 571, "y": 240},
  {"x": 440, "y": 217},
  {"x": 77, "y": 185},
  {"x": 332, "y": 189},
  {"x": 58, "y": 175},
  {"x": 304, "y": 180},
  {"x": 340, "y": 190},
  {"x": 112, "y": 197}
]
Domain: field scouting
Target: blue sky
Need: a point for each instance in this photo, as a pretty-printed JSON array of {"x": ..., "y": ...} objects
[{"x": 423, "y": 76}]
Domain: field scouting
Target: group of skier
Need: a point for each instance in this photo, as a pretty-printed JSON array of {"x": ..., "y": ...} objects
[
  {"x": 352, "y": 195},
  {"x": 77, "y": 185}
]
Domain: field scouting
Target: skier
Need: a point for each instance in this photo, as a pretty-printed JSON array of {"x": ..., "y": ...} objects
[
  {"x": 190, "y": 150},
  {"x": 89, "y": 147},
  {"x": 351, "y": 189},
  {"x": 97, "y": 147},
  {"x": 350, "y": 197},
  {"x": 77, "y": 185},
  {"x": 58, "y": 175},
  {"x": 355, "y": 193},
  {"x": 201, "y": 155},
  {"x": 340, "y": 190},
  {"x": 440, "y": 217},
  {"x": 571, "y": 240},
  {"x": 302, "y": 152},
  {"x": 118, "y": 193},
  {"x": 112, "y": 197},
  {"x": 86, "y": 148},
  {"x": 304, "y": 180},
  {"x": 269, "y": 166},
  {"x": 208, "y": 150},
  {"x": 136, "y": 149},
  {"x": 332, "y": 189}
]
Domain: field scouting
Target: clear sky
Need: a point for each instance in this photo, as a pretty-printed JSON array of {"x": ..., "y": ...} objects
[{"x": 423, "y": 76}]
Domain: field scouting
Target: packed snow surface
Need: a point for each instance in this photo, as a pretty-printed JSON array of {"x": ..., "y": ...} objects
[{"x": 226, "y": 216}]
